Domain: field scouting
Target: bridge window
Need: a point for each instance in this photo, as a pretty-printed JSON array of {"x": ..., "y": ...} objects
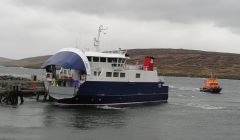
[
  {"x": 108, "y": 74},
  {"x": 122, "y": 75},
  {"x": 95, "y": 59},
  {"x": 120, "y": 60},
  {"x": 89, "y": 58},
  {"x": 115, "y": 60},
  {"x": 110, "y": 60},
  {"x": 115, "y": 74},
  {"x": 138, "y": 75},
  {"x": 102, "y": 59}
]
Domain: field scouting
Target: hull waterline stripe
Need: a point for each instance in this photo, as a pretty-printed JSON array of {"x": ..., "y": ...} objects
[{"x": 129, "y": 103}]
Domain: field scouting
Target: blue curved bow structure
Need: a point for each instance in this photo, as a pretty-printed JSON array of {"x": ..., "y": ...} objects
[{"x": 69, "y": 58}]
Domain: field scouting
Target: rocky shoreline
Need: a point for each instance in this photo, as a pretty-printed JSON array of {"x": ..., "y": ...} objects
[{"x": 11, "y": 78}]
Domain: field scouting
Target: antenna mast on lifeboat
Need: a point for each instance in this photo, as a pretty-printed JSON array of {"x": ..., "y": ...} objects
[{"x": 97, "y": 39}]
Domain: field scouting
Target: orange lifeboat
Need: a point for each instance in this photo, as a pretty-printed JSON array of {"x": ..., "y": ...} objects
[{"x": 211, "y": 85}]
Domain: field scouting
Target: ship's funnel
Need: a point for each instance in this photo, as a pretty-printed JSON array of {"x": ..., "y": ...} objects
[{"x": 148, "y": 63}]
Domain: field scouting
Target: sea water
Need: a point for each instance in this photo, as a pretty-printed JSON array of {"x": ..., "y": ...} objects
[{"x": 188, "y": 115}]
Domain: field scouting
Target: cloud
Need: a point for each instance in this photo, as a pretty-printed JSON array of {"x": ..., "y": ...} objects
[
  {"x": 221, "y": 12},
  {"x": 33, "y": 28}
]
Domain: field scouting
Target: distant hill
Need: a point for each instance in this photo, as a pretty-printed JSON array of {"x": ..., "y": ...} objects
[
  {"x": 191, "y": 63},
  {"x": 3, "y": 60},
  {"x": 33, "y": 62},
  {"x": 171, "y": 62}
]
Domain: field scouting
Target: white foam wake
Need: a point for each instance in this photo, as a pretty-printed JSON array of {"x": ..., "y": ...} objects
[
  {"x": 184, "y": 88},
  {"x": 109, "y": 107},
  {"x": 205, "y": 106}
]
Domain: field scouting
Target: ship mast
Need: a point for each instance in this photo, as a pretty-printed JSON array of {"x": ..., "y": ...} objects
[{"x": 97, "y": 39}]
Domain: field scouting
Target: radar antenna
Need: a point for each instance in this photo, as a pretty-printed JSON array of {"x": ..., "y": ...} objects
[{"x": 96, "y": 39}]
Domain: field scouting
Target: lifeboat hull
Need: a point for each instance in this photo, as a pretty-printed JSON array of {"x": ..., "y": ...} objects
[{"x": 211, "y": 90}]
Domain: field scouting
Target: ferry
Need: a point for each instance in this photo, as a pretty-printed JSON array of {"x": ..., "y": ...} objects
[
  {"x": 76, "y": 77},
  {"x": 211, "y": 85}
]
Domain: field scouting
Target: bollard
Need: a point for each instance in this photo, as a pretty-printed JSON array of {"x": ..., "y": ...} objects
[
  {"x": 15, "y": 95},
  {"x": 21, "y": 97},
  {"x": 12, "y": 95}
]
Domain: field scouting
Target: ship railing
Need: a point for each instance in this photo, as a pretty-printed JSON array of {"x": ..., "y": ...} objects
[
  {"x": 122, "y": 52},
  {"x": 147, "y": 68},
  {"x": 118, "y": 68},
  {"x": 134, "y": 67},
  {"x": 139, "y": 67}
]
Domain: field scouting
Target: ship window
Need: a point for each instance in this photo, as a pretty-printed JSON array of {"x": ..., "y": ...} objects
[
  {"x": 213, "y": 83},
  {"x": 102, "y": 59},
  {"x": 115, "y": 74},
  {"x": 95, "y": 59},
  {"x": 89, "y": 58},
  {"x": 65, "y": 71},
  {"x": 110, "y": 60},
  {"x": 120, "y": 60},
  {"x": 138, "y": 75},
  {"x": 122, "y": 74},
  {"x": 114, "y": 65},
  {"x": 115, "y": 60},
  {"x": 108, "y": 74},
  {"x": 96, "y": 73},
  {"x": 48, "y": 75}
]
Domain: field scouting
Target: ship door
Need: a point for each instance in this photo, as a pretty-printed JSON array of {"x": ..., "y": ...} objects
[{"x": 83, "y": 78}]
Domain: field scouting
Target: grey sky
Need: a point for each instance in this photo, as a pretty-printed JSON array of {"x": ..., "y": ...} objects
[{"x": 33, "y": 28}]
